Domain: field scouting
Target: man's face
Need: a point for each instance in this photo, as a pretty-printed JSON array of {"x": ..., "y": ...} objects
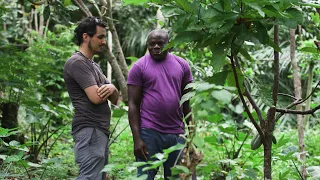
[
  {"x": 98, "y": 41},
  {"x": 156, "y": 43}
]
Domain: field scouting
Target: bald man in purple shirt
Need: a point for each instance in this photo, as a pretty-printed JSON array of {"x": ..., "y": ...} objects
[{"x": 156, "y": 84}]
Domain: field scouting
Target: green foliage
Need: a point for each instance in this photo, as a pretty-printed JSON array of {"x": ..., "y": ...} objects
[
  {"x": 206, "y": 33},
  {"x": 134, "y": 2},
  {"x": 133, "y": 25}
]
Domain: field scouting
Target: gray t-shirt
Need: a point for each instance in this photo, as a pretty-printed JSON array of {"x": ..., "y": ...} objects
[{"x": 80, "y": 73}]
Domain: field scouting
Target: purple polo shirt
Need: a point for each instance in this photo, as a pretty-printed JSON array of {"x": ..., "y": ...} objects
[{"x": 161, "y": 83}]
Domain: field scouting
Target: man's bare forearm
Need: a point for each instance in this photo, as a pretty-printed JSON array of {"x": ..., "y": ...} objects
[
  {"x": 114, "y": 97},
  {"x": 187, "y": 112},
  {"x": 134, "y": 121}
]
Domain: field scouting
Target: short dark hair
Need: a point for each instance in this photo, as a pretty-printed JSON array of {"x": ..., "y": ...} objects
[{"x": 88, "y": 26}]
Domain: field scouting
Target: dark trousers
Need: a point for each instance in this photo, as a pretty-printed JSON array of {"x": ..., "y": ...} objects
[
  {"x": 156, "y": 142},
  {"x": 91, "y": 153}
]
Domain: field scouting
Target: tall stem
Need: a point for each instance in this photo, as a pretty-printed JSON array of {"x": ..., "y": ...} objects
[{"x": 297, "y": 92}]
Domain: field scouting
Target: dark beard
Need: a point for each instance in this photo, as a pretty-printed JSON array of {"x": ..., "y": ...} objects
[{"x": 90, "y": 47}]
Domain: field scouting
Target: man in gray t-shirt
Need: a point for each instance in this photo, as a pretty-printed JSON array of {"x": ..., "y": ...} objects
[{"x": 89, "y": 91}]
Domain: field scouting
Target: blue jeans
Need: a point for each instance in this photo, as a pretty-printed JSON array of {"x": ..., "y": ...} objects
[{"x": 156, "y": 142}]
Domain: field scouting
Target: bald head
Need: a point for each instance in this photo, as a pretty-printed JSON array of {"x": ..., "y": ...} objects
[
  {"x": 160, "y": 33},
  {"x": 157, "y": 39}
]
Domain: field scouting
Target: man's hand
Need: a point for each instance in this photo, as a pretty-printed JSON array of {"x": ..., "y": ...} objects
[
  {"x": 105, "y": 91},
  {"x": 140, "y": 149}
]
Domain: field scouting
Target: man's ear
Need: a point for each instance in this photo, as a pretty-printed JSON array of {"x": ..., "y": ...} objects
[{"x": 85, "y": 37}]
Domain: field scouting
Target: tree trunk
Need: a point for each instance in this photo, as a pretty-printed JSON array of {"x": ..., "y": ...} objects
[
  {"x": 10, "y": 120},
  {"x": 109, "y": 68},
  {"x": 118, "y": 74},
  {"x": 269, "y": 127},
  {"x": 41, "y": 23},
  {"x": 309, "y": 90},
  {"x": 297, "y": 92},
  {"x": 270, "y": 120},
  {"x": 117, "y": 46},
  {"x": 46, "y": 28},
  {"x": 36, "y": 20}
]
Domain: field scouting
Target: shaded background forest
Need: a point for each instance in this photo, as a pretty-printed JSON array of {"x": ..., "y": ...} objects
[{"x": 36, "y": 113}]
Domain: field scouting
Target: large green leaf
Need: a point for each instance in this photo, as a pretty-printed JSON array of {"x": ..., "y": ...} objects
[
  {"x": 215, "y": 118},
  {"x": 204, "y": 86},
  {"x": 198, "y": 141},
  {"x": 226, "y": 26},
  {"x": 169, "y": 11},
  {"x": 4, "y": 132},
  {"x": 207, "y": 105},
  {"x": 231, "y": 79},
  {"x": 262, "y": 33},
  {"x": 256, "y": 7},
  {"x": 185, "y": 5},
  {"x": 310, "y": 50},
  {"x": 245, "y": 54},
  {"x": 187, "y": 97},
  {"x": 222, "y": 95},
  {"x": 218, "y": 78},
  {"x": 218, "y": 57},
  {"x": 226, "y": 5},
  {"x": 154, "y": 165},
  {"x": 159, "y": 156},
  {"x": 211, "y": 140},
  {"x": 209, "y": 13},
  {"x": 179, "y": 169},
  {"x": 174, "y": 148},
  {"x": 118, "y": 112},
  {"x": 270, "y": 11},
  {"x": 295, "y": 19},
  {"x": 190, "y": 86},
  {"x": 187, "y": 36},
  {"x": 202, "y": 114}
]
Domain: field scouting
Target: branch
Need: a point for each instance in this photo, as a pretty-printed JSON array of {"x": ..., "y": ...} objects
[
  {"x": 299, "y": 101},
  {"x": 243, "y": 101},
  {"x": 276, "y": 67},
  {"x": 83, "y": 7},
  {"x": 96, "y": 6},
  {"x": 288, "y": 95},
  {"x": 289, "y": 111},
  {"x": 255, "y": 107}
]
